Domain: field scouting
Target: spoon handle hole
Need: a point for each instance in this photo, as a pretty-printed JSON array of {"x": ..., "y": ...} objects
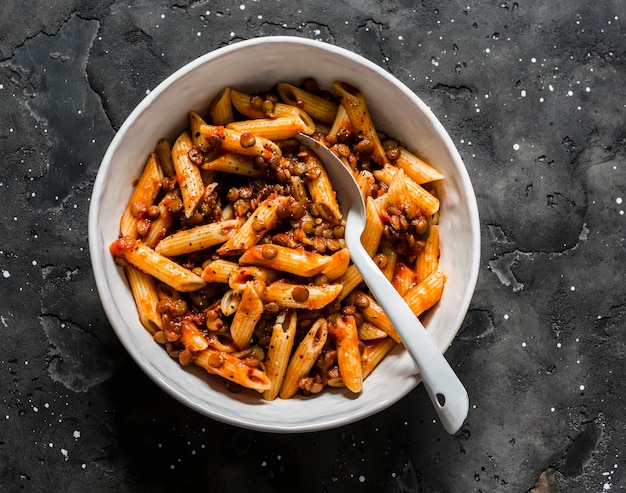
[{"x": 441, "y": 399}]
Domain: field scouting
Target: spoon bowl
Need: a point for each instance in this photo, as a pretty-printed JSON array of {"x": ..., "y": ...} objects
[{"x": 444, "y": 388}]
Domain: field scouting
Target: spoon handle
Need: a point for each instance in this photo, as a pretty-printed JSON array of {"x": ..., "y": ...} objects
[{"x": 444, "y": 388}]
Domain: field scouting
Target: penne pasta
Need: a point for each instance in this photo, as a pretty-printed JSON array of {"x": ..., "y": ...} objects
[
  {"x": 219, "y": 271},
  {"x": 242, "y": 274},
  {"x": 375, "y": 315},
  {"x": 197, "y": 139},
  {"x": 235, "y": 164},
  {"x": 396, "y": 195},
  {"x": 246, "y": 317},
  {"x": 143, "y": 196},
  {"x": 344, "y": 331},
  {"x": 232, "y": 368},
  {"x": 233, "y": 241},
  {"x": 163, "y": 150},
  {"x": 386, "y": 259},
  {"x": 245, "y": 104},
  {"x": 428, "y": 258},
  {"x": 338, "y": 265},
  {"x": 404, "y": 278},
  {"x": 198, "y": 238},
  {"x": 321, "y": 190},
  {"x": 295, "y": 261},
  {"x": 428, "y": 203},
  {"x": 316, "y": 106},
  {"x": 191, "y": 337},
  {"x": 365, "y": 179},
  {"x": 349, "y": 280},
  {"x": 230, "y": 140},
  {"x": 280, "y": 128},
  {"x": 373, "y": 229},
  {"x": 161, "y": 225},
  {"x": 368, "y": 332},
  {"x": 304, "y": 358},
  {"x": 150, "y": 262},
  {"x": 221, "y": 108},
  {"x": 281, "y": 343},
  {"x": 418, "y": 170},
  {"x": 341, "y": 122},
  {"x": 187, "y": 174},
  {"x": 424, "y": 295},
  {"x": 356, "y": 108},
  {"x": 146, "y": 298},
  {"x": 262, "y": 220},
  {"x": 373, "y": 353},
  {"x": 288, "y": 295}
]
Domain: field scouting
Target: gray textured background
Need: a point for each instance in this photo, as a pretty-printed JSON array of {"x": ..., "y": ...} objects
[{"x": 533, "y": 95}]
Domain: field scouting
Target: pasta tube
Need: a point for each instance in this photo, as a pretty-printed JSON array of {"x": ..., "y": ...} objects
[
  {"x": 295, "y": 261},
  {"x": 197, "y": 238},
  {"x": 187, "y": 174},
  {"x": 344, "y": 331},
  {"x": 143, "y": 196},
  {"x": 304, "y": 357},
  {"x": 288, "y": 295},
  {"x": 232, "y": 368},
  {"x": 150, "y": 262},
  {"x": 316, "y": 106},
  {"x": 281, "y": 344}
]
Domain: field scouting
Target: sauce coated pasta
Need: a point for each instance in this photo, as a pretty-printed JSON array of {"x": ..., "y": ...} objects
[{"x": 233, "y": 241}]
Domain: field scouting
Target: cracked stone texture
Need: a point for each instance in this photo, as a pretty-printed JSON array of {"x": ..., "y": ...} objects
[{"x": 531, "y": 93}]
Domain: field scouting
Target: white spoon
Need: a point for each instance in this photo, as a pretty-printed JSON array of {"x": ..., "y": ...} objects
[{"x": 443, "y": 386}]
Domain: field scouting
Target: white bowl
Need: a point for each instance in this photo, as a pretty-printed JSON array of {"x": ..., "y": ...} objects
[{"x": 254, "y": 65}]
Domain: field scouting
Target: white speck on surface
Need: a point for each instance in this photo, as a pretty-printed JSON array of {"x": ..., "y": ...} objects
[
  {"x": 552, "y": 409},
  {"x": 582, "y": 387},
  {"x": 572, "y": 288},
  {"x": 76, "y": 434},
  {"x": 65, "y": 453},
  {"x": 6, "y": 274},
  {"x": 523, "y": 93},
  {"x": 570, "y": 93},
  {"x": 516, "y": 147},
  {"x": 618, "y": 200},
  {"x": 523, "y": 344},
  {"x": 361, "y": 479},
  {"x": 242, "y": 7}
]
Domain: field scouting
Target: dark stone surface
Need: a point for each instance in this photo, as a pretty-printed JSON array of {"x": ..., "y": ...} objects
[{"x": 533, "y": 95}]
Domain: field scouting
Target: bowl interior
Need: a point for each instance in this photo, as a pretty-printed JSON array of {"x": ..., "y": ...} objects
[{"x": 253, "y": 65}]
